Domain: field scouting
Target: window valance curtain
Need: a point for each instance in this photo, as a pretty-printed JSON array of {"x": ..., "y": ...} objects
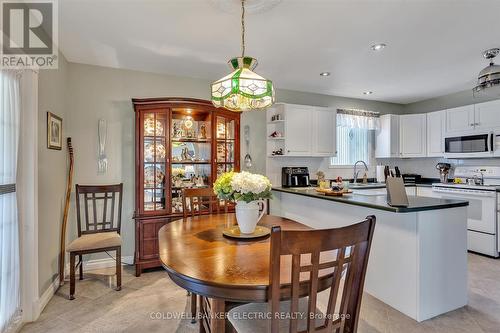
[{"x": 358, "y": 119}]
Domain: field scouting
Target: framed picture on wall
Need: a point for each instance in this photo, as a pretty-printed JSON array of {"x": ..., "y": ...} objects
[{"x": 54, "y": 131}]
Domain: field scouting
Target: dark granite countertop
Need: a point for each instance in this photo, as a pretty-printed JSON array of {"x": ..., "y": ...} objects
[{"x": 417, "y": 204}]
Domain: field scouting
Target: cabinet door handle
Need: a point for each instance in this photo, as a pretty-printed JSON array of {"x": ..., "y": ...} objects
[
  {"x": 472, "y": 124},
  {"x": 476, "y": 124}
]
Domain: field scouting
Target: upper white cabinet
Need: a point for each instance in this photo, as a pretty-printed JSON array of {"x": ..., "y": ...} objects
[
  {"x": 401, "y": 136},
  {"x": 482, "y": 116},
  {"x": 307, "y": 131},
  {"x": 413, "y": 135},
  {"x": 298, "y": 130},
  {"x": 324, "y": 132},
  {"x": 387, "y": 137},
  {"x": 435, "y": 133},
  {"x": 460, "y": 119},
  {"x": 487, "y": 115}
]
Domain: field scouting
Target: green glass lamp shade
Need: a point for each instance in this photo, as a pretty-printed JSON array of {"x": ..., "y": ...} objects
[{"x": 243, "y": 89}]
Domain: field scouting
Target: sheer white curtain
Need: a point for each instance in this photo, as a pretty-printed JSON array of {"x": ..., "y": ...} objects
[{"x": 10, "y": 105}]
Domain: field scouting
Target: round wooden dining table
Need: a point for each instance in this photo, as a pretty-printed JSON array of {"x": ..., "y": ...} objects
[{"x": 225, "y": 272}]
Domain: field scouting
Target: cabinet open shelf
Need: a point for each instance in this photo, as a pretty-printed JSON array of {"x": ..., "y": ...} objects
[
  {"x": 276, "y": 138},
  {"x": 276, "y": 122}
]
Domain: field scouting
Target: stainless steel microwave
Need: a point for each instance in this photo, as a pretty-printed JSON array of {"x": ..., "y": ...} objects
[{"x": 472, "y": 145}]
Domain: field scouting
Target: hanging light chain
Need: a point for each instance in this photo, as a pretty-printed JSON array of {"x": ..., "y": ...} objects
[{"x": 242, "y": 28}]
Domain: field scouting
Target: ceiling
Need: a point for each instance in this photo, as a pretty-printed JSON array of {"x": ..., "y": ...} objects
[{"x": 434, "y": 46}]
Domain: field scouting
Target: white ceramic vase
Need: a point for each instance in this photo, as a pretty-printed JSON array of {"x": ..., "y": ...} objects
[{"x": 248, "y": 214}]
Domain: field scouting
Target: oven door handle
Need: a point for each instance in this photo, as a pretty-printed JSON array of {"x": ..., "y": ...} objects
[{"x": 466, "y": 193}]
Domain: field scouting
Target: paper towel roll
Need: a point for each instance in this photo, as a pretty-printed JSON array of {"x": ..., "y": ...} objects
[{"x": 380, "y": 174}]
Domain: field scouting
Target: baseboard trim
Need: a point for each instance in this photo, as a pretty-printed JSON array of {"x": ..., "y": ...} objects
[
  {"x": 88, "y": 265},
  {"x": 42, "y": 301},
  {"x": 104, "y": 263}
]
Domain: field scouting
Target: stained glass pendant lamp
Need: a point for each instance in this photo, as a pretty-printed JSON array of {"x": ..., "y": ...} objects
[{"x": 243, "y": 89}]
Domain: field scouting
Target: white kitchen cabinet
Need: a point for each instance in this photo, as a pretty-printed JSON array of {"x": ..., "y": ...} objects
[
  {"x": 435, "y": 133},
  {"x": 306, "y": 131},
  {"x": 487, "y": 115},
  {"x": 413, "y": 135},
  {"x": 324, "y": 132},
  {"x": 460, "y": 119},
  {"x": 387, "y": 137},
  {"x": 298, "y": 130}
]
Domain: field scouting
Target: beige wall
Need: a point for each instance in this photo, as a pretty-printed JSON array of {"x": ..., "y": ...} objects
[
  {"x": 93, "y": 92},
  {"x": 52, "y": 91}
]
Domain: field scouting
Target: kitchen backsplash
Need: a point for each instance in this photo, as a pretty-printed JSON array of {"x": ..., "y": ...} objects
[
  {"x": 427, "y": 166},
  {"x": 315, "y": 164},
  {"x": 423, "y": 166}
]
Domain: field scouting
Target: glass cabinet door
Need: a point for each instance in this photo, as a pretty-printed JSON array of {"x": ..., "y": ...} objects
[
  {"x": 190, "y": 153},
  {"x": 154, "y": 161},
  {"x": 225, "y": 133}
]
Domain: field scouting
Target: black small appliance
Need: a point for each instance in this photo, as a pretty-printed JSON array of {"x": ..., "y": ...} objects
[{"x": 295, "y": 177}]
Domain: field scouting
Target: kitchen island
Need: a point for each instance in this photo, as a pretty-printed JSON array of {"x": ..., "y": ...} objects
[{"x": 418, "y": 260}]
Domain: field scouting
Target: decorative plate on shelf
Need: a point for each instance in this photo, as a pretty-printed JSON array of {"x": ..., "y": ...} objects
[
  {"x": 149, "y": 127},
  {"x": 149, "y": 176},
  {"x": 149, "y": 151}
]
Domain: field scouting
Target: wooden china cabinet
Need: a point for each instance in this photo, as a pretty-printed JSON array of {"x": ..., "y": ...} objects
[{"x": 179, "y": 143}]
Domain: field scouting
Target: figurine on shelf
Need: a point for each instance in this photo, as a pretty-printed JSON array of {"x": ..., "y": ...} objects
[
  {"x": 185, "y": 154},
  {"x": 203, "y": 132},
  {"x": 278, "y": 152},
  {"x": 176, "y": 130},
  {"x": 198, "y": 181},
  {"x": 276, "y": 134}
]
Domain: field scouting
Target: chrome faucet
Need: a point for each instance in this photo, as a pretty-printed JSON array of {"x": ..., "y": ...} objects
[{"x": 356, "y": 172}]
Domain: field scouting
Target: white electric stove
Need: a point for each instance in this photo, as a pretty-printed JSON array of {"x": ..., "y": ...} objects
[{"x": 483, "y": 222}]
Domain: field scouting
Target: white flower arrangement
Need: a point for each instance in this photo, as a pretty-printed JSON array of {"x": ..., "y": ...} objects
[{"x": 242, "y": 186}]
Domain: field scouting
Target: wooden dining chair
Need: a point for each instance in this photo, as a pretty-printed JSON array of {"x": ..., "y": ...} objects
[
  {"x": 349, "y": 248},
  {"x": 195, "y": 202},
  {"x": 99, "y": 223},
  {"x": 198, "y": 201}
]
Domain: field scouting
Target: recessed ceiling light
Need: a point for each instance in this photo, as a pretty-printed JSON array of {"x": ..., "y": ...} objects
[
  {"x": 378, "y": 47},
  {"x": 325, "y": 74},
  {"x": 367, "y": 92}
]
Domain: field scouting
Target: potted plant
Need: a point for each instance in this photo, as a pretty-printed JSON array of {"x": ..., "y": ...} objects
[{"x": 248, "y": 190}]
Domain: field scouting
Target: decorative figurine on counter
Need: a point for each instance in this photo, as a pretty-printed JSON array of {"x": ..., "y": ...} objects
[{"x": 321, "y": 176}]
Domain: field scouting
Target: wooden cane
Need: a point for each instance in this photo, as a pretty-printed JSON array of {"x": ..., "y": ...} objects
[{"x": 65, "y": 215}]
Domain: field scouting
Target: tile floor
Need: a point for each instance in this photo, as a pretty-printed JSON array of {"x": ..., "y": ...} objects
[{"x": 98, "y": 308}]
